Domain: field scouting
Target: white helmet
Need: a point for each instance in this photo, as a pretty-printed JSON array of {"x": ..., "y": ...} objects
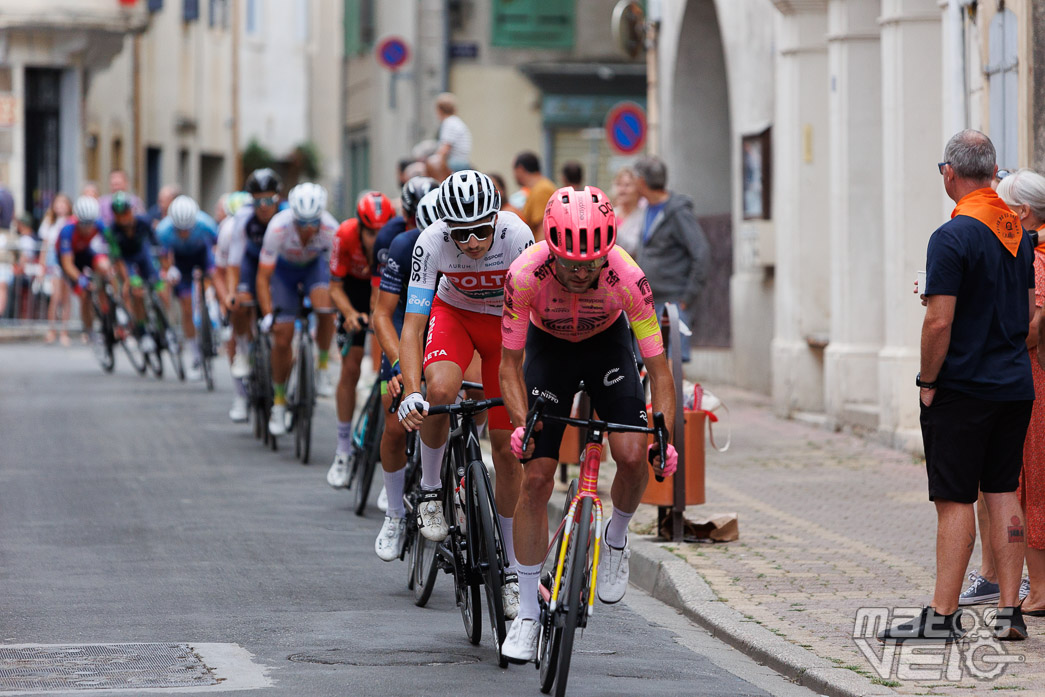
[
  {"x": 427, "y": 209},
  {"x": 183, "y": 211},
  {"x": 307, "y": 201},
  {"x": 467, "y": 196},
  {"x": 86, "y": 209}
]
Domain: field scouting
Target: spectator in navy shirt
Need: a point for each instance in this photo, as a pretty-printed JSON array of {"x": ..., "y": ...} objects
[{"x": 975, "y": 386}]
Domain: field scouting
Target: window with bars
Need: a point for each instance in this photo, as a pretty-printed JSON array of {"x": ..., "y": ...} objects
[{"x": 1002, "y": 74}]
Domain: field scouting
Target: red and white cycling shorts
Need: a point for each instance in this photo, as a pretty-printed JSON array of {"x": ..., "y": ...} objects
[{"x": 455, "y": 335}]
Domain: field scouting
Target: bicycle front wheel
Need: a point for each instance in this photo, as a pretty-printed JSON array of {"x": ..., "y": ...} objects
[
  {"x": 371, "y": 448},
  {"x": 306, "y": 400},
  {"x": 551, "y": 625},
  {"x": 487, "y": 551},
  {"x": 575, "y": 590}
]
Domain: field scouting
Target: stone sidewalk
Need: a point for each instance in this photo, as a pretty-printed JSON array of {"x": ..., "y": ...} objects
[{"x": 829, "y": 523}]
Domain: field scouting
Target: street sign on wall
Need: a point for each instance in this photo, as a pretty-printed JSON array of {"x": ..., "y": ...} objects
[
  {"x": 392, "y": 52},
  {"x": 626, "y": 128}
]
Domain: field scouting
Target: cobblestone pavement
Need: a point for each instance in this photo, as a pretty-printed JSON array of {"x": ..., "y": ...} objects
[{"x": 831, "y": 523}]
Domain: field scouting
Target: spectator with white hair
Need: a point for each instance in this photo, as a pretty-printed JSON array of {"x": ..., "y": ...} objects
[{"x": 455, "y": 140}]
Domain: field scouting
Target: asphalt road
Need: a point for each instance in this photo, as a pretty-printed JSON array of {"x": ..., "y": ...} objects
[{"x": 132, "y": 510}]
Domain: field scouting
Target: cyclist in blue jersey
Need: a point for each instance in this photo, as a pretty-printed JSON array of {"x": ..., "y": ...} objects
[
  {"x": 189, "y": 235},
  {"x": 244, "y": 251},
  {"x": 389, "y": 311},
  {"x": 131, "y": 255}
]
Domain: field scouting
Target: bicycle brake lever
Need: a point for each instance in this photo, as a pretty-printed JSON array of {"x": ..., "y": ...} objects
[
  {"x": 658, "y": 426},
  {"x": 535, "y": 415}
]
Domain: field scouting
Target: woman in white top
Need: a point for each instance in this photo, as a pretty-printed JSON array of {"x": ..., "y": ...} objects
[
  {"x": 56, "y": 217},
  {"x": 630, "y": 210}
]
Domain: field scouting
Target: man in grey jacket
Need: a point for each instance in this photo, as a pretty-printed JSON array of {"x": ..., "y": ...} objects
[{"x": 674, "y": 252}]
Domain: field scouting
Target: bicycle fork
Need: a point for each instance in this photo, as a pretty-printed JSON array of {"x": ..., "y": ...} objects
[{"x": 588, "y": 483}]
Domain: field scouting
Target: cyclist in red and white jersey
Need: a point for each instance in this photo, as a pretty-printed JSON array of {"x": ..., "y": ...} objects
[
  {"x": 567, "y": 302},
  {"x": 467, "y": 253},
  {"x": 351, "y": 289}
]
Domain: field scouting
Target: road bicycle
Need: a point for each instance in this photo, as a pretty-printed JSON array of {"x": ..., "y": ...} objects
[
  {"x": 567, "y": 599},
  {"x": 301, "y": 384},
  {"x": 203, "y": 318},
  {"x": 366, "y": 452},
  {"x": 164, "y": 336},
  {"x": 115, "y": 326},
  {"x": 259, "y": 384},
  {"x": 473, "y": 551}
]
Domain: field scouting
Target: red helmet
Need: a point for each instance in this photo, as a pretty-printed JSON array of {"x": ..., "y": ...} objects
[
  {"x": 580, "y": 225},
  {"x": 374, "y": 209}
]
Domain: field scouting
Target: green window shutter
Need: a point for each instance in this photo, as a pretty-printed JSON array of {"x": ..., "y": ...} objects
[
  {"x": 533, "y": 23},
  {"x": 353, "y": 44}
]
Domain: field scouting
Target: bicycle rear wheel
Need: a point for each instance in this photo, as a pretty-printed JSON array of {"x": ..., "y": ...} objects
[
  {"x": 125, "y": 333},
  {"x": 551, "y": 625},
  {"x": 206, "y": 337},
  {"x": 487, "y": 553},
  {"x": 174, "y": 351},
  {"x": 371, "y": 448},
  {"x": 575, "y": 590}
]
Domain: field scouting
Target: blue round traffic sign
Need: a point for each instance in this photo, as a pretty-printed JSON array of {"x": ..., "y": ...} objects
[
  {"x": 626, "y": 127},
  {"x": 393, "y": 52}
]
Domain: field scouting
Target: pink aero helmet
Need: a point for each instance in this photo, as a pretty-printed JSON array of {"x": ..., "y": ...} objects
[{"x": 580, "y": 225}]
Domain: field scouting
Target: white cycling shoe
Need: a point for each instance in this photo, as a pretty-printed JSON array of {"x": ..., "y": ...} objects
[
  {"x": 324, "y": 385},
  {"x": 238, "y": 412},
  {"x": 240, "y": 366},
  {"x": 614, "y": 570},
  {"x": 520, "y": 645},
  {"x": 337, "y": 475},
  {"x": 278, "y": 420},
  {"x": 389, "y": 543},
  {"x": 430, "y": 516}
]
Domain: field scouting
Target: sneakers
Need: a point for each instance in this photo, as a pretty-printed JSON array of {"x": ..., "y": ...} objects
[
  {"x": 510, "y": 596},
  {"x": 238, "y": 412},
  {"x": 1024, "y": 588},
  {"x": 928, "y": 626},
  {"x": 614, "y": 571},
  {"x": 382, "y": 500},
  {"x": 324, "y": 386},
  {"x": 520, "y": 645},
  {"x": 337, "y": 475},
  {"x": 979, "y": 591},
  {"x": 278, "y": 420},
  {"x": 430, "y": 516},
  {"x": 1008, "y": 624},
  {"x": 240, "y": 366},
  {"x": 389, "y": 543}
]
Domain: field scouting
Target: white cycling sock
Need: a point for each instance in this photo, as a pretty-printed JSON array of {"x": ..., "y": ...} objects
[
  {"x": 241, "y": 387},
  {"x": 394, "y": 489},
  {"x": 529, "y": 579},
  {"x": 432, "y": 466},
  {"x": 344, "y": 437},
  {"x": 195, "y": 349},
  {"x": 243, "y": 344},
  {"x": 616, "y": 531},
  {"x": 509, "y": 543}
]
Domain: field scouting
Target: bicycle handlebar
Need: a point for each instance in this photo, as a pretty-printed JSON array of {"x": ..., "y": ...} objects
[
  {"x": 659, "y": 430},
  {"x": 468, "y": 407}
]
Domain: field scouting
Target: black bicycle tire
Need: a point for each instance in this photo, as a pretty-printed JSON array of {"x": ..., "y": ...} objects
[
  {"x": 306, "y": 399},
  {"x": 174, "y": 352},
  {"x": 136, "y": 356},
  {"x": 370, "y": 438},
  {"x": 548, "y": 652},
  {"x": 206, "y": 339},
  {"x": 103, "y": 341},
  {"x": 489, "y": 561},
  {"x": 425, "y": 568},
  {"x": 576, "y": 592}
]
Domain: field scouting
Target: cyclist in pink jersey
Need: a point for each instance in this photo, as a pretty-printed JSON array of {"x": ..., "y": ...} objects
[{"x": 567, "y": 303}]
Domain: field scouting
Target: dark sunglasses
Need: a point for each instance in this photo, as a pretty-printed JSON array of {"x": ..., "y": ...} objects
[
  {"x": 941, "y": 165},
  {"x": 267, "y": 200},
  {"x": 573, "y": 266},
  {"x": 481, "y": 233},
  {"x": 313, "y": 223}
]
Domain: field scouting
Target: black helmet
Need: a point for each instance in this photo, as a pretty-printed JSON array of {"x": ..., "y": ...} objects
[
  {"x": 262, "y": 180},
  {"x": 413, "y": 191}
]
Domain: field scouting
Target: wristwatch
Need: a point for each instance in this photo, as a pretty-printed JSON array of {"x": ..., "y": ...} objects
[{"x": 927, "y": 385}]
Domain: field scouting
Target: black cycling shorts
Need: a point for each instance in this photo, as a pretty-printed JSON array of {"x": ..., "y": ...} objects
[
  {"x": 972, "y": 445},
  {"x": 358, "y": 292},
  {"x": 605, "y": 362}
]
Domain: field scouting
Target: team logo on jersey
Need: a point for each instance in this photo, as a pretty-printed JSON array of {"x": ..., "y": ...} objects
[
  {"x": 537, "y": 392},
  {"x": 438, "y": 353},
  {"x": 392, "y": 265},
  {"x": 472, "y": 282},
  {"x": 606, "y": 378},
  {"x": 642, "y": 415},
  {"x": 612, "y": 278}
]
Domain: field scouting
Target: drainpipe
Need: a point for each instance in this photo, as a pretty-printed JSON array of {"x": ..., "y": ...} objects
[
  {"x": 237, "y": 161},
  {"x": 445, "y": 62},
  {"x": 957, "y": 107},
  {"x": 653, "y": 79}
]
